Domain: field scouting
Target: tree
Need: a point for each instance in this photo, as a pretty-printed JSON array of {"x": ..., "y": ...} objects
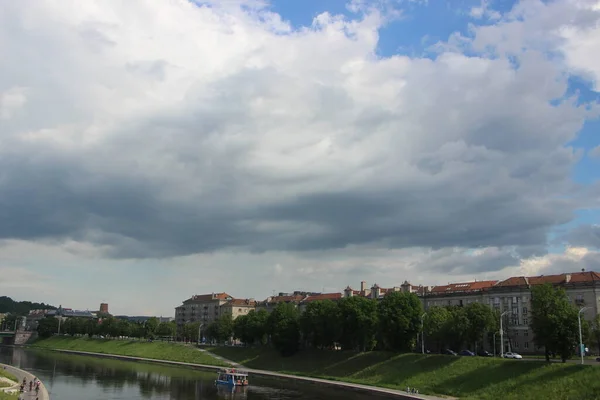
[
  {"x": 221, "y": 329},
  {"x": 21, "y": 308},
  {"x": 241, "y": 331},
  {"x": 358, "y": 322},
  {"x": 595, "y": 331},
  {"x": 151, "y": 325},
  {"x": 258, "y": 328},
  {"x": 284, "y": 327},
  {"x": 457, "y": 327},
  {"x": 399, "y": 317},
  {"x": 167, "y": 329},
  {"x": 320, "y": 324},
  {"x": 554, "y": 321},
  {"x": 47, "y": 327},
  {"x": 435, "y": 324},
  {"x": 481, "y": 320}
]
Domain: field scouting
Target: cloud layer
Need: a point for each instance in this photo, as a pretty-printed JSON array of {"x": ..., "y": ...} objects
[
  {"x": 165, "y": 129},
  {"x": 216, "y": 134}
]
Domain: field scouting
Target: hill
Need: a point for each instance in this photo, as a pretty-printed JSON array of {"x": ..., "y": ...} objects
[{"x": 8, "y": 305}]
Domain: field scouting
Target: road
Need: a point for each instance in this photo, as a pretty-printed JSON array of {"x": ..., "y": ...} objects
[
  {"x": 20, "y": 374},
  {"x": 571, "y": 361}
]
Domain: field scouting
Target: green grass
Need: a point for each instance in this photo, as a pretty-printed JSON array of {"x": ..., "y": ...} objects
[
  {"x": 5, "y": 374},
  {"x": 464, "y": 377},
  {"x": 153, "y": 350},
  {"x": 7, "y": 396}
]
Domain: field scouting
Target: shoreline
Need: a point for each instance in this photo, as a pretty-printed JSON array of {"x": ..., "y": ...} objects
[
  {"x": 398, "y": 394},
  {"x": 20, "y": 374}
]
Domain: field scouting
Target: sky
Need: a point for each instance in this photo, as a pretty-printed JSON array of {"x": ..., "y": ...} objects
[{"x": 153, "y": 150}]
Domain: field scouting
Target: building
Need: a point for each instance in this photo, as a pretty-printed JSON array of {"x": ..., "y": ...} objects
[
  {"x": 318, "y": 297},
  {"x": 295, "y": 298},
  {"x": 204, "y": 308},
  {"x": 238, "y": 307},
  {"x": 104, "y": 308},
  {"x": 513, "y": 297},
  {"x": 143, "y": 319},
  {"x": 377, "y": 292}
]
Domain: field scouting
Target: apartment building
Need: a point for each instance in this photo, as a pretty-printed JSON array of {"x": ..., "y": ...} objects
[
  {"x": 318, "y": 297},
  {"x": 271, "y": 302},
  {"x": 513, "y": 297},
  {"x": 377, "y": 292},
  {"x": 204, "y": 308},
  {"x": 238, "y": 307}
]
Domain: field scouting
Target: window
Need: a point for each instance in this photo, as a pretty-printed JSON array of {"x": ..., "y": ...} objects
[
  {"x": 524, "y": 310},
  {"x": 526, "y": 345},
  {"x": 514, "y": 299},
  {"x": 496, "y": 300},
  {"x": 525, "y": 321},
  {"x": 516, "y": 333},
  {"x": 515, "y": 310},
  {"x": 516, "y": 344},
  {"x": 526, "y": 333}
]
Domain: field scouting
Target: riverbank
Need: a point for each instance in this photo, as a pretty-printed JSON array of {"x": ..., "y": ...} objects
[
  {"x": 143, "y": 349},
  {"x": 19, "y": 375},
  {"x": 215, "y": 364},
  {"x": 463, "y": 377}
]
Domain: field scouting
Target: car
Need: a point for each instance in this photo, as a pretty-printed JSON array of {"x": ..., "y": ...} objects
[
  {"x": 598, "y": 359},
  {"x": 449, "y": 352},
  {"x": 467, "y": 353},
  {"x": 512, "y": 355},
  {"x": 483, "y": 353}
]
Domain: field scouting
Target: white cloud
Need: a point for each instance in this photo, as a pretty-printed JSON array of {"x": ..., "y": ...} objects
[{"x": 184, "y": 132}]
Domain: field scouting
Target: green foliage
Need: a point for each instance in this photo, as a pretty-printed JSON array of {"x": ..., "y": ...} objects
[
  {"x": 252, "y": 328},
  {"x": 320, "y": 324},
  {"x": 358, "y": 323},
  {"x": 399, "y": 320},
  {"x": 166, "y": 329},
  {"x": 22, "y": 308},
  {"x": 284, "y": 328},
  {"x": 221, "y": 330},
  {"x": 554, "y": 321},
  {"x": 47, "y": 327},
  {"x": 435, "y": 325}
]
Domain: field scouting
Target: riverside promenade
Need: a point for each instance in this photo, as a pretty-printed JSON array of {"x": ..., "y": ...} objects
[
  {"x": 20, "y": 374},
  {"x": 391, "y": 393}
]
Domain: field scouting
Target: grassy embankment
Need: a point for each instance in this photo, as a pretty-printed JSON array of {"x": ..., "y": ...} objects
[
  {"x": 3, "y": 395},
  {"x": 153, "y": 350},
  {"x": 464, "y": 377}
]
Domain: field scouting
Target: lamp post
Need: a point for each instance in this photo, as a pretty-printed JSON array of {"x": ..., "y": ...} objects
[
  {"x": 59, "y": 315},
  {"x": 423, "y": 333},
  {"x": 502, "y": 334},
  {"x": 495, "y": 344},
  {"x": 580, "y": 335}
]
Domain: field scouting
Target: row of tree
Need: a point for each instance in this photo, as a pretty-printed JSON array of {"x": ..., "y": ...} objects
[
  {"x": 398, "y": 322},
  {"x": 107, "y": 327},
  {"x": 20, "y": 308}
]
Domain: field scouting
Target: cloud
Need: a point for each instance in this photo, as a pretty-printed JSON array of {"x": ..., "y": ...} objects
[
  {"x": 168, "y": 129},
  {"x": 584, "y": 236},
  {"x": 595, "y": 152}
]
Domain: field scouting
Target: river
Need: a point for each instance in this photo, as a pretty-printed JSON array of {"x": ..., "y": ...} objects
[{"x": 72, "y": 377}]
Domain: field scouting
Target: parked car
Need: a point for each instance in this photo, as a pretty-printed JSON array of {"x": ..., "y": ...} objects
[
  {"x": 598, "y": 359},
  {"x": 514, "y": 356},
  {"x": 483, "y": 353},
  {"x": 467, "y": 353},
  {"x": 449, "y": 352}
]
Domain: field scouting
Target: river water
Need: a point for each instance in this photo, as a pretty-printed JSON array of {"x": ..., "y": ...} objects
[{"x": 72, "y": 377}]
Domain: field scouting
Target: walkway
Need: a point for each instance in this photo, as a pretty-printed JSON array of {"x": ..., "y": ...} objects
[
  {"x": 20, "y": 374},
  {"x": 350, "y": 386}
]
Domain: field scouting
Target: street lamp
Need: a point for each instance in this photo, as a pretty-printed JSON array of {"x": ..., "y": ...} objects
[
  {"x": 423, "y": 333},
  {"x": 199, "y": 329},
  {"x": 502, "y": 334},
  {"x": 580, "y": 335}
]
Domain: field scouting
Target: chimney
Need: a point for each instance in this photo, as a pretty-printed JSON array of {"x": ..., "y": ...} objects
[
  {"x": 363, "y": 286},
  {"x": 567, "y": 278}
]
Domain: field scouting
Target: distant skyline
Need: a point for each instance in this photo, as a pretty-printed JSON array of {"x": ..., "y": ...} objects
[{"x": 150, "y": 151}]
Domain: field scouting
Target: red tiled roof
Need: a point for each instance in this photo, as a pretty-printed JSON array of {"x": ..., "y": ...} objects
[
  {"x": 323, "y": 296},
  {"x": 281, "y": 299},
  {"x": 241, "y": 303},
  {"x": 209, "y": 297},
  {"x": 463, "y": 287},
  {"x": 573, "y": 277}
]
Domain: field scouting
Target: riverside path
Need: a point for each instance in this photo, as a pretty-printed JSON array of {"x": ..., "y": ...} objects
[{"x": 22, "y": 374}]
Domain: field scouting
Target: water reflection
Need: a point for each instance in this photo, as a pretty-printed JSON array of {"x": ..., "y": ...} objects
[{"x": 70, "y": 377}]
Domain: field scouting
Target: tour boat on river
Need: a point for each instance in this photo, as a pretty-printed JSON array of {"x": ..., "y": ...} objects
[{"x": 232, "y": 377}]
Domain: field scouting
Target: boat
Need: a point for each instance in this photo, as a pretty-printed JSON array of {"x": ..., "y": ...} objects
[{"x": 232, "y": 377}]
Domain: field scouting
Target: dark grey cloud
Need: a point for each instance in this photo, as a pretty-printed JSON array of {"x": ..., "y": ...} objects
[
  {"x": 154, "y": 154},
  {"x": 584, "y": 236}
]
